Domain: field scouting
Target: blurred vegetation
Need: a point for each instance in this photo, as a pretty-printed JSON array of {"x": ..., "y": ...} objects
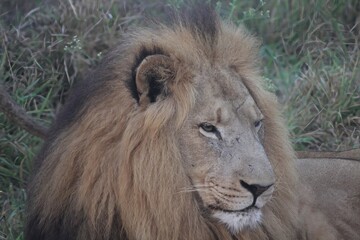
[{"x": 310, "y": 60}]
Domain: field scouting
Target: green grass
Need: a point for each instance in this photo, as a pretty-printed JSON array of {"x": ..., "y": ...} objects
[{"x": 310, "y": 52}]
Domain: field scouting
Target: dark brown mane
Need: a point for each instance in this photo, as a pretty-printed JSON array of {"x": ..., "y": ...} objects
[{"x": 202, "y": 21}]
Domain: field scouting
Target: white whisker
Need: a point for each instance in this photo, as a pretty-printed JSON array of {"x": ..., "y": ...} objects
[
  {"x": 196, "y": 188},
  {"x": 193, "y": 190}
]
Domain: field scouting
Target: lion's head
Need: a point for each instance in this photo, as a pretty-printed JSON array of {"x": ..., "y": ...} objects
[
  {"x": 172, "y": 137},
  {"x": 223, "y": 152}
]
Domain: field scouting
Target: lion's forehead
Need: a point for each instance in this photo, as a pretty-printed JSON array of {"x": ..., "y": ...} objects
[
  {"x": 222, "y": 110},
  {"x": 221, "y": 87},
  {"x": 226, "y": 83}
]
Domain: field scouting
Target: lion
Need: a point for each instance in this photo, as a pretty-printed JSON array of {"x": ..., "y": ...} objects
[{"x": 172, "y": 136}]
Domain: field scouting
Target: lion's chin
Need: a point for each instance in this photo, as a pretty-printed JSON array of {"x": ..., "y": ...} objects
[{"x": 236, "y": 221}]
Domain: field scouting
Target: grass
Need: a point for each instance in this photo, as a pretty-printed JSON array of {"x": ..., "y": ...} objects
[{"x": 310, "y": 57}]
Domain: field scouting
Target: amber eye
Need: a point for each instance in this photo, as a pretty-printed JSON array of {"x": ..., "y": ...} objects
[
  {"x": 210, "y": 131},
  {"x": 207, "y": 127}
]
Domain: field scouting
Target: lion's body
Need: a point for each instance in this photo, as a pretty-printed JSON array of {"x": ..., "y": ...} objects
[
  {"x": 353, "y": 154},
  {"x": 124, "y": 154},
  {"x": 335, "y": 186}
]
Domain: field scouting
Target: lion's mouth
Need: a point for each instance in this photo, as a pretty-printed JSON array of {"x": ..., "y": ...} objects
[
  {"x": 247, "y": 209},
  {"x": 235, "y": 220}
]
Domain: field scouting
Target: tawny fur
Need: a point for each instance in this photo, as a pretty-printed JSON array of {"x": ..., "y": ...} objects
[
  {"x": 353, "y": 154},
  {"x": 333, "y": 191}
]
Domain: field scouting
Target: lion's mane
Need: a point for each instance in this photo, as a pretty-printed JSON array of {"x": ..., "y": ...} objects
[{"x": 111, "y": 170}]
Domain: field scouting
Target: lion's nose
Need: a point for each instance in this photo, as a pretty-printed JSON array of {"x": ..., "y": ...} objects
[{"x": 255, "y": 189}]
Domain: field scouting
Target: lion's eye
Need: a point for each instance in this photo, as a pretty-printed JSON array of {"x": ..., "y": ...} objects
[
  {"x": 209, "y": 130},
  {"x": 207, "y": 127},
  {"x": 258, "y": 123}
]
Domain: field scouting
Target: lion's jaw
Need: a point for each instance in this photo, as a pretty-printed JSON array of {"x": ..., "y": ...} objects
[{"x": 237, "y": 221}]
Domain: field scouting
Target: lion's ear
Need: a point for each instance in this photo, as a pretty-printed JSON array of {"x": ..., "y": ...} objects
[{"x": 153, "y": 76}]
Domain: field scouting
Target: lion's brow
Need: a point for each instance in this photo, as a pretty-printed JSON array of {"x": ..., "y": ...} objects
[{"x": 218, "y": 115}]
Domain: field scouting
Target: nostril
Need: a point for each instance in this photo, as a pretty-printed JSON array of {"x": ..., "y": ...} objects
[{"x": 255, "y": 189}]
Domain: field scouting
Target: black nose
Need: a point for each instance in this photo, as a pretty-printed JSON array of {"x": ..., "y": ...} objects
[{"x": 255, "y": 189}]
